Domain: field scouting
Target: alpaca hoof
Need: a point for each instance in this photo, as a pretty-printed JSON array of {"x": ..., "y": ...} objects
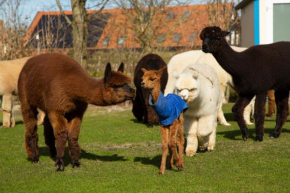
[
  {"x": 190, "y": 153},
  {"x": 150, "y": 125},
  {"x": 249, "y": 123},
  {"x": 180, "y": 168},
  {"x": 226, "y": 124},
  {"x": 210, "y": 148},
  {"x": 35, "y": 160},
  {"x": 274, "y": 135},
  {"x": 59, "y": 164},
  {"x": 76, "y": 163},
  {"x": 245, "y": 134},
  {"x": 259, "y": 138},
  {"x": 160, "y": 173}
]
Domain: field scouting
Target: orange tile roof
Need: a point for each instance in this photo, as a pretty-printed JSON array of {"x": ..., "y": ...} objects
[{"x": 120, "y": 24}]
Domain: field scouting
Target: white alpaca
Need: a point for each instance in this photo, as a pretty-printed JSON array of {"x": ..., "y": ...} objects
[
  {"x": 9, "y": 73},
  {"x": 180, "y": 61},
  {"x": 199, "y": 86}
]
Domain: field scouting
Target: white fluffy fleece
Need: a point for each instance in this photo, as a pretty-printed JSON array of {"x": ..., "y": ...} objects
[
  {"x": 9, "y": 73},
  {"x": 180, "y": 61},
  {"x": 199, "y": 86}
]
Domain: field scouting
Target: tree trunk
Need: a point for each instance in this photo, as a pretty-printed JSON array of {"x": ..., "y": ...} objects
[{"x": 80, "y": 31}]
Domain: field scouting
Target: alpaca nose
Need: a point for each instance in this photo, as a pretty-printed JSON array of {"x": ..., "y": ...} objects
[
  {"x": 204, "y": 47},
  {"x": 142, "y": 84},
  {"x": 183, "y": 96}
]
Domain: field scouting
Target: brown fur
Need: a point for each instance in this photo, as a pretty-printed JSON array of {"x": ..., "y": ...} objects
[
  {"x": 141, "y": 108},
  {"x": 59, "y": 86},
  {"x": 151, "y": 81}
]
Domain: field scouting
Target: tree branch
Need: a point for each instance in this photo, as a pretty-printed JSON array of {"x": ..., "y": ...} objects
[
  {"x": 62, "y": 12},
  {"x": 93, "y": 15}
]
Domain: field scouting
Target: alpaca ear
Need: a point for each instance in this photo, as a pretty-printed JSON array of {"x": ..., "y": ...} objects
[
  {"x": 201, "y": 35},
  {"x": 160, "y": 72},
  {"x": 144, "y": 70},
  {"x": 175, "y": 74},
  {"x": 225, "y": 33},
  {"x": 194, "y": 73},
  {"x": 121, "y": 67},
  {"x": 108, "y": 73}
]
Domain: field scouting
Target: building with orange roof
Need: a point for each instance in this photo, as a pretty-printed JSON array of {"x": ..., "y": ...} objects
[{"x": 172, "y": 27}]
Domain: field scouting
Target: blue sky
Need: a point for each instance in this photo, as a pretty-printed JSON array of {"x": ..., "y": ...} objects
[{"x": 31, "y": 7}]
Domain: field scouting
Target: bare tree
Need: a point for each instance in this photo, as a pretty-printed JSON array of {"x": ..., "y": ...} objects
[
  {"x": 12, "y": 30},
  {"x": 80, "y": 21},
  {"x": 220, "y": 12},
  {"x": 145, "y": 19}
]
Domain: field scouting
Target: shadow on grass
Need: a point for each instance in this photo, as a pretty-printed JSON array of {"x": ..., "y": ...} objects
[
  {"x": 237, "y": 134},
  {"x": 44, "y": 151},
  {"x": 155, "y": 161},
  {"x": 141, "y": 122}
]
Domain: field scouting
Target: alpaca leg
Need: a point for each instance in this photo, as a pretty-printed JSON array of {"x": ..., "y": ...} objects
[
  {"x": 172, "y": 144},
  {"x": 165, "y": 134},
  {"x": 259, "y": 115},
  {"x": 40, "y": 117},
  {"x": 281, "y": 98},
  {"x": 138, "y": 108},
  {"x": 238, "y": 110},
  {"x": 74, "y": 127},
  {"x": 247, "y": 114},
  {"x": 190, "y": 127},
  {"x": 149, "y": 112},
  {"x": 180, "y": 142},
  {"x": 212, "y": 139},
  {"x": 59, "y": 124},
  {"x": 7, "y": 111},
  {"x": 271, "y": 103},
  {"x": 206, "y": 126},
  {"x": 49, "y": 136},
  {"x": 221, "y": 117},
  {"x": 31, "y": 137}
]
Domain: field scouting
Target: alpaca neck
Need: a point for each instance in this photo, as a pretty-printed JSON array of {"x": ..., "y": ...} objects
[
  {"x": 227, "y": 58},
  {"x": 155, "y": 92},
  {"x": 90, "y": 90}
]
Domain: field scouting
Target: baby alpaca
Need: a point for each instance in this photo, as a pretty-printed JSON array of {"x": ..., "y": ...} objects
[
  {"x": 170, "y": 111},
  {"x": 198, "y": 85}
]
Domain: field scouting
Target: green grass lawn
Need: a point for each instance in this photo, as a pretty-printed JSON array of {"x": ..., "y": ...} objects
[{"x": 120, "y": 155}]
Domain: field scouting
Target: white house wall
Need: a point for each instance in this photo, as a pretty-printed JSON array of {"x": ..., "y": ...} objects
[{"x": 266, "y": 19}]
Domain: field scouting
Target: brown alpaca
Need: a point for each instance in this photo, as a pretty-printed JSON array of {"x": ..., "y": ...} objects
[
  {"x": 151, "y": 81},
  {"x": 59, "y": 86}
]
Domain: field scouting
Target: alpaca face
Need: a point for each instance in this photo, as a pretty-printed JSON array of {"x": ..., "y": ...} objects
[
  {"x": 212, "y": 39},
  {"x": 151, "y": 78},
  {"x": 187, "y": 87},
  {"x": 117, "y": 87}
]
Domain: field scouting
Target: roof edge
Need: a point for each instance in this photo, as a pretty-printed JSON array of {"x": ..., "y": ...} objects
[{"x": 242, "y": 4}]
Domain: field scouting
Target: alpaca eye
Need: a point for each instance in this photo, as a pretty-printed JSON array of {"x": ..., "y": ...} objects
[
  {"x": 152, "y": 79},
  {"x": 193, "y": 89},
  {"x": 115, "y": 87}
]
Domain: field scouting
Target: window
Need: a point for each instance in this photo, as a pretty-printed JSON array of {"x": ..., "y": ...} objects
[
  {"x": 106, "y": 41},
  {"x": 170, "y": 15},
  {"x": 160, "y": 38},
  {"x": 185, "y": 14},
  {"x": 121, "y": 40},
  {"x": 192, "y": 37},
  {"x": 176, "y": 37}
]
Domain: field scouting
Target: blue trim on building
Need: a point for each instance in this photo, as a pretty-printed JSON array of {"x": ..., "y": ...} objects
[{"x": 256, "y": 22}]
